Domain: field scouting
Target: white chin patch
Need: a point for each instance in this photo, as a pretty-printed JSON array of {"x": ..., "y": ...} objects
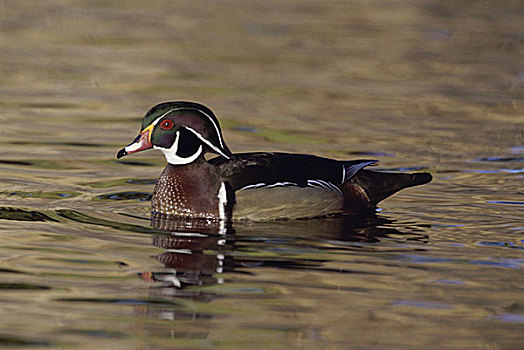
[{"x": 173, "y": 158}]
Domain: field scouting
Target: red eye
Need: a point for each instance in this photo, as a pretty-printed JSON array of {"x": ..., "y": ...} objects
[{"x": 167, "y": 124}]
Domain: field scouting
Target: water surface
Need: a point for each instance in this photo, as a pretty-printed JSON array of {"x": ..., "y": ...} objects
[{"x": 419, "y": 85}]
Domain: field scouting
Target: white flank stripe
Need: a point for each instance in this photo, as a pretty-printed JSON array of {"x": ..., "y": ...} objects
[
  {"x": 262, "y": 184},
  {"x": 285, "y": 183},
  {"x": 327, "y": 186},
  {"x": 222, "y": 201},
  {"x": 331, "y": 186},
  {"x": 320, "y": 184}
]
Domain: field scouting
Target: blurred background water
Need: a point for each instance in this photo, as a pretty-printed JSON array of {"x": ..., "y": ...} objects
[{"x": 419, "y": 85}]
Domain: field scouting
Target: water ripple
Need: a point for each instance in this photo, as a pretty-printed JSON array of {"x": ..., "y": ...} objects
[
  {"x": 422, "y": 304},
  {"x": 126, "y": 195},
  {"x": 512, "y": 318},
  {"x": 11, "y": 213},
  {"x": 419, "y": 259},
  {"x": 506, "y": 202}
]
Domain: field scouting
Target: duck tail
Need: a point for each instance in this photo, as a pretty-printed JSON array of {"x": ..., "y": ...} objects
[{"x": 367, "y": 188}]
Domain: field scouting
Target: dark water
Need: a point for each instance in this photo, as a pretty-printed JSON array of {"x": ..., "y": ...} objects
[{"x": 420, "y": 85}]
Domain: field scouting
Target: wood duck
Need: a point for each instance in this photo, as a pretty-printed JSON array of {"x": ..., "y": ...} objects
[{"x": 253, "y": 186}]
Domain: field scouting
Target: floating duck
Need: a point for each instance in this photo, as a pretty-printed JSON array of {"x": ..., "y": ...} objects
[{"x": 252, "y": 186}]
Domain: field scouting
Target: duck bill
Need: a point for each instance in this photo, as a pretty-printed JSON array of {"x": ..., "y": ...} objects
[{"x": 141, "y": 143}]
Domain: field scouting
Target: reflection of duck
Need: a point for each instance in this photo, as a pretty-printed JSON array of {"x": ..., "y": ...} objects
[
  {"x": 251, "y": 185},
  {"x": 186, "y": 262},
  {"x": 195, "y": 258}
]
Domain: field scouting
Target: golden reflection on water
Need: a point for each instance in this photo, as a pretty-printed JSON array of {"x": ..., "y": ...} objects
[{"x": 427, "y": 85}]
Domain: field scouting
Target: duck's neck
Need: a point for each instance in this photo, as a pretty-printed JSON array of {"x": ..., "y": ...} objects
[{"x": 191, "y": 190}]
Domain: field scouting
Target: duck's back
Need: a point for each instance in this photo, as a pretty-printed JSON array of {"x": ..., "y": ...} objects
[{"x": 280, "y": 185}]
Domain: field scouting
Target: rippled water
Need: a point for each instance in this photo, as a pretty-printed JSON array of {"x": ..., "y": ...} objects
[{"x": 420, "y": 85}]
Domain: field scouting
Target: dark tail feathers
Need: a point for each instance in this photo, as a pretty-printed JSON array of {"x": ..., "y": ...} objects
[
  {"x": 379, "y": 186},
  {"x": 368, "y": 188}
]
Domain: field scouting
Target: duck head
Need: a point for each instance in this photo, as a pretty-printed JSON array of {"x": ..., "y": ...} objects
[{"x": 183, "y": 131}]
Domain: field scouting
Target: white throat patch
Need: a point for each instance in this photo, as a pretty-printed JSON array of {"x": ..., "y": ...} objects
[{"x": 173, "y": 158}]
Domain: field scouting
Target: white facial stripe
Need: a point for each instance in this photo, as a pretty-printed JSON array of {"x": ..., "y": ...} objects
[
  {"x": 155, "y": 122},
  {"x": 215, "y": 125},
  {"x": 171, "y": 156},
  {"x": 219, "y": 134},
  {"x": 213, "y": 147}
]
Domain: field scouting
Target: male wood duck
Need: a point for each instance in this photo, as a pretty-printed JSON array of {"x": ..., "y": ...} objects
[{"x": 254, "y": 186}]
